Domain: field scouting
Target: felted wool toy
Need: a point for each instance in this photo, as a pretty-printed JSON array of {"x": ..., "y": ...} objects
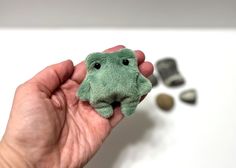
[{"x": 113, "y": 77}]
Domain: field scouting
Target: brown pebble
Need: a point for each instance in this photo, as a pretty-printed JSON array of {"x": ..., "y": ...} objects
[{"x": 165, "y": 101}]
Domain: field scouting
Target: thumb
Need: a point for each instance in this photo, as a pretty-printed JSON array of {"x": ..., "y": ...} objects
[{"x": 53, "y": 76}]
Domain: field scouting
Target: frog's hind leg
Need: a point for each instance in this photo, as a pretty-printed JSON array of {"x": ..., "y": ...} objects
[
  {"x": 129, "y": 105},
  {"x": 104, "y": 109}
]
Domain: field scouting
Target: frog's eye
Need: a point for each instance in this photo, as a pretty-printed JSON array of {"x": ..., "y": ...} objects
[
  {"x": 97, "y": 65},
  {"x": 125, "y": 62}
]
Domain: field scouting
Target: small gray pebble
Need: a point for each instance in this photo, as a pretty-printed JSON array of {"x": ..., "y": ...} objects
[
  {"x": 165, "y": 101},
  {"x": 189, "y": 96},
  {"x": 169, "y": 73},
  {"x": 153, "y": 80}
]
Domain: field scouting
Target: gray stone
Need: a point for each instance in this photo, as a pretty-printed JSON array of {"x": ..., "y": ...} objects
[
  {"x": 153, "y": 79},
  {"x": 168, "y": 70},
  {"x": 165, "y": 101},
  {"x": 189, "y": 96}
]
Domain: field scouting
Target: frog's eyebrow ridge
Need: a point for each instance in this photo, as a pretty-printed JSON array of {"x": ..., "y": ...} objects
[
  {"x": 95, "y": 57},
  {"x": 127, "y": 53}
]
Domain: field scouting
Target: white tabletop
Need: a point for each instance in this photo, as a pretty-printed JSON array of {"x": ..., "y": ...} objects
[{"x": 197, "y": 136}]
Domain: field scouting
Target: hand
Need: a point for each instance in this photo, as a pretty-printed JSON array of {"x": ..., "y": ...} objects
[{"x": 49, "y": 127}]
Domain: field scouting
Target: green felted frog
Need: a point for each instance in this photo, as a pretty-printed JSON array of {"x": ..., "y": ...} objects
[{"x": 113, "y": 77}]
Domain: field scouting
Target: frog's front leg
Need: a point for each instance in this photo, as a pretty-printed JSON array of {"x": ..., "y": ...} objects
[
  {"x": 104, "y": 109},
  {"x": 128, "y": 105}
]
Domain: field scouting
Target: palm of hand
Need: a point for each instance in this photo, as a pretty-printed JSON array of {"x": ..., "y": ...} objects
[
  {"x": 50, "y": 127},
  {"x": 63, "y": 132}
]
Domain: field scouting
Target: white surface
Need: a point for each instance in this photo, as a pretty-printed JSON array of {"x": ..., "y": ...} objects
[{"x": 188, "y": 137}]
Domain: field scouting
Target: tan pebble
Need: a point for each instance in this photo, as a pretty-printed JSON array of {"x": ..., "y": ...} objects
[{"x": 165, "y": 101}]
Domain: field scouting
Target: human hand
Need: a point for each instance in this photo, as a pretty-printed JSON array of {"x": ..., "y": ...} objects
[{"x": 50, "y": 127}]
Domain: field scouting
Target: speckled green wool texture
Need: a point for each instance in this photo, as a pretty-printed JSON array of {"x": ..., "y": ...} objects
[{"x": 113, "y": 77}]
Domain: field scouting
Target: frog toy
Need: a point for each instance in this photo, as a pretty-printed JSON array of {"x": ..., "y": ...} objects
[{"x": 113, "y": 77}]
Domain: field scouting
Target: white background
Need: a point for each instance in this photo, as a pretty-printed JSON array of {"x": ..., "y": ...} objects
[
  {"x": 122, "y": 13},
  {"x": 200, "y": 136}
]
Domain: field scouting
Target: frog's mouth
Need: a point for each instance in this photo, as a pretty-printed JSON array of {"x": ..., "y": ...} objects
[{"x": 115, "y": 104}]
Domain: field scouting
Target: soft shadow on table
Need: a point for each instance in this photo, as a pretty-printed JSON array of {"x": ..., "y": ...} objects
[{"x": 130, "y": 131}]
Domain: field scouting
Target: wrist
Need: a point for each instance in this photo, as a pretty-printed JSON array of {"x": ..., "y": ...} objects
[{"x": 9, "y": 157}]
